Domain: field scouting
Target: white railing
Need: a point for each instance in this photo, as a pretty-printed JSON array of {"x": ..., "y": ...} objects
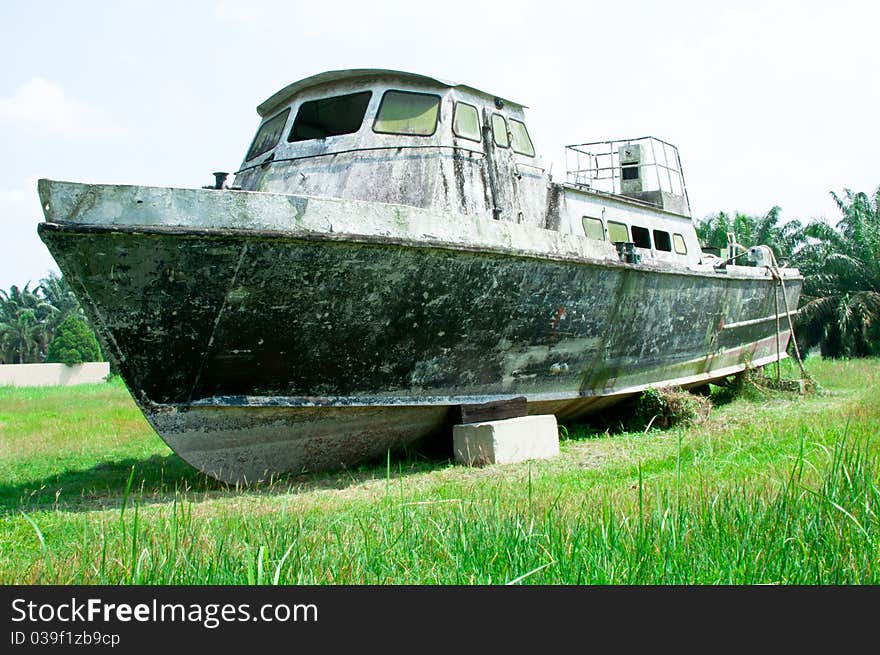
[{"x": 604, "y": 166}]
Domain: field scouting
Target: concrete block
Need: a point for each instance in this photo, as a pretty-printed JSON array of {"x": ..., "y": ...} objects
[
  {"x": 43, "y": 375},
  {"x": 507, "y": 441}
]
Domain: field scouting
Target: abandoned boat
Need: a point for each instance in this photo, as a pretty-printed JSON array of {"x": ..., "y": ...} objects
[{"x": 390, "y": 248}]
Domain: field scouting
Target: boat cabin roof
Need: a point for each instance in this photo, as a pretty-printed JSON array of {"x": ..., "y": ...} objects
[{"x": 283, "y": 96}]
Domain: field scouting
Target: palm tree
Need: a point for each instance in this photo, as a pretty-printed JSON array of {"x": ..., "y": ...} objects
[
  {"x": 840, "y": 309},
  {"x": 57, "y": 292},
  {"x": 713, "y": 229},
  {"x": 23, "y": 325},
  {"x": 29, "y": 319},
  {"x": 784, "y": 239},
  {"x": 21, "y": 337},
  {"x": 752, "y": 231}
]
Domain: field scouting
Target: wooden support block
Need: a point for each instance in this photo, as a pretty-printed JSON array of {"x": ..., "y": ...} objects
[{"x": 494, "y": 411}]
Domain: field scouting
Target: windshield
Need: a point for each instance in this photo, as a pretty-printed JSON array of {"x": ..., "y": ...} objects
[{"x": 268, "y": 135}]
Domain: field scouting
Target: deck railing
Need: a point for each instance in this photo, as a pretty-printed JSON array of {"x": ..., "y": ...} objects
[{"x": 629, "y": 167}]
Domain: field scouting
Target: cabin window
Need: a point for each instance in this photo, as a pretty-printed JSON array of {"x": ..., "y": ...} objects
[
  {"x": 404, "y": 112},
  {"x": 318, "y": 119},
  {"x": 499, "y": 131},
  {"x": 629, "y": 172},
  {"x": 617, "y": 232},
  {"x": 680, "y": 246},
  {"x": 268, "y": 135},
  {"x": 641, "y": 237},
  {"x": 662, "y": 241},
  {"x": 520, "y": 141},
  {"x": 466, "y": 123},
  {"x": 593, "y": 228}
]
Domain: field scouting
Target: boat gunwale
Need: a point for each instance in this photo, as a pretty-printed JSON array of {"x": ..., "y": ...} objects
[{"x": 382, "y": 240}]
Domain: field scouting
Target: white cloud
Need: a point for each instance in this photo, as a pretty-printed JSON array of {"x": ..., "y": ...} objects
[
  {"x": 45, "y": 107},
  {"x": 19, "y": 198},
  {"x": 29, "y": 259}
]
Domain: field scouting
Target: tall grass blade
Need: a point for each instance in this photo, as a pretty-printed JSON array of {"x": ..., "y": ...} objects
[
  {"x": 260, "y": 555},
  {"x": 276, "y": 577},
  {"x": 530, "y": 573},
  {"x": 36, "y": 529},
  {"x": 126, "y": 492}
]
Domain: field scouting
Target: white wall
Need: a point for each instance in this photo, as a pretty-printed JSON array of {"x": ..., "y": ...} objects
[{"x": 43, "y": 375}]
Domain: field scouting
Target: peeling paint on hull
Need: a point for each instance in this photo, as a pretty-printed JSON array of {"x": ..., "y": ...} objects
[{"x": 256, "y": 354}]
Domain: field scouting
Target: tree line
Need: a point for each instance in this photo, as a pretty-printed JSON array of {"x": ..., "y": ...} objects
[
  {"x": 839, "y": 308},
  {"x": 45, "y": 324}
]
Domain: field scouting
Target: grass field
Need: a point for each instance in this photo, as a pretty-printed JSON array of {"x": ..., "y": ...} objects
[{"x": 773, "y": 489}]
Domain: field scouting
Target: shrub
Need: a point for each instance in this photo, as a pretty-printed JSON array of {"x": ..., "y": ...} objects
[
  {"x": 654, "y": 408},
  {"x": 74, "y": 343},
  {"x": 664, "y": 408}
]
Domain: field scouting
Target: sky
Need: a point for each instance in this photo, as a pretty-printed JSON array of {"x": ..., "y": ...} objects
[{"x": 770, "y": 103}]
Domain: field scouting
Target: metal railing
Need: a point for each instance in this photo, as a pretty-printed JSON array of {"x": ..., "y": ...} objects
[{"x": 597, "y": 166}]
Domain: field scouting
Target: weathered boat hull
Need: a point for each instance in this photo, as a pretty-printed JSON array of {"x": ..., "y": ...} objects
[
  {"x": 257, "y": 352},
  {"x": 238, "y": 441}
]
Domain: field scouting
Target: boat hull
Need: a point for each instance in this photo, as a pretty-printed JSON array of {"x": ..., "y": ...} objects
[{"x": 255, "y": 353}]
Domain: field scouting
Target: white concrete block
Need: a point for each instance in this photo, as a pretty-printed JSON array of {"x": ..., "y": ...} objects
[
  {"x": 507, "y": 441},
  {"x": 42, "y": 375}
]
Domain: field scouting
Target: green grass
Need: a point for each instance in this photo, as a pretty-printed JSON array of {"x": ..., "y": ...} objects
[{"x": 773, "y": 489}]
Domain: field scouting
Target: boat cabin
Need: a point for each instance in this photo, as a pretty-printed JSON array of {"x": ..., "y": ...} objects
[
  {"x": 402, "y": 138},
  {"x": 385, "y": 136}
]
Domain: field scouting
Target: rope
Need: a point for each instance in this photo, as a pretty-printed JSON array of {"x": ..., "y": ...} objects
[
  {"x": 774, "y": 271},
  {"x": 776, "y": 285}
]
